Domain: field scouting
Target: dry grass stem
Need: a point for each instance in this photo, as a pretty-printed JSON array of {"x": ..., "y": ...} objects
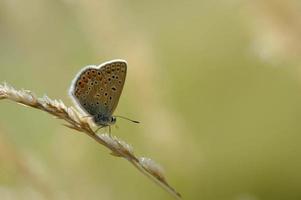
[{"x": 85, "y": 125}]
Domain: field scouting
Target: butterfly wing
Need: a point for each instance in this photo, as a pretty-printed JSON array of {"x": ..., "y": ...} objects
[
  {"x": 84, "y": 90},
  {"x": 97, "y": 89},
  {"x": 114, "y": 75}
]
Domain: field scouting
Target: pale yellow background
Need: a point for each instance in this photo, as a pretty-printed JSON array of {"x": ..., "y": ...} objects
[{"x": 216, "y": 85}]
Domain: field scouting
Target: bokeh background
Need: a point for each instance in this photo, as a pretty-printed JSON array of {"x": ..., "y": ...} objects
[{"x": 216, "y": 85}]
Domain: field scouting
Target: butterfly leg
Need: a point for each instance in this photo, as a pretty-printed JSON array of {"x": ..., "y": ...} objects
[
  {"x": 110, "y": 131},
  {"x": 99, "y": 128}
]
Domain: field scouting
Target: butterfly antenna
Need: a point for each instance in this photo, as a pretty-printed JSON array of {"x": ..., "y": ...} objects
[{"x": 134, "y": 121}]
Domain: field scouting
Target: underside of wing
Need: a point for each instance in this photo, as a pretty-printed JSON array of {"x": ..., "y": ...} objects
[{"x": 97, "y": 89}]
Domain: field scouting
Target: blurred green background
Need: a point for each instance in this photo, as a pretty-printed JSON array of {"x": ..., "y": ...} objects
[{"x": 216, "y": 85}]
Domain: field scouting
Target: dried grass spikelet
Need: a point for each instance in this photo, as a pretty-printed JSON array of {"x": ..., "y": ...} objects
[
  {"x": 85, "y": 125},
  {"x": 152, "y": 167}
]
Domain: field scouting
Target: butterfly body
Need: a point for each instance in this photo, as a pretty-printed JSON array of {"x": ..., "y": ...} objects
[
  {"x": 103, "y": 120},
  {"x": 96, "y": 90}
]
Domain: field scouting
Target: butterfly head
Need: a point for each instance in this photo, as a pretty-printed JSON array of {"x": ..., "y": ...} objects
[
  {"x": 104, "y": 120},
  {"x": 112, "y": 120}
]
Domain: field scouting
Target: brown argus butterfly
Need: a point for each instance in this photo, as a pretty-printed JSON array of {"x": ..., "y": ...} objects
[{"x": 96, "y": 90}]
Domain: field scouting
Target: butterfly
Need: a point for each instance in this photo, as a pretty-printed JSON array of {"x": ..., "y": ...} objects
[{"x": 96, "y": 91}]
